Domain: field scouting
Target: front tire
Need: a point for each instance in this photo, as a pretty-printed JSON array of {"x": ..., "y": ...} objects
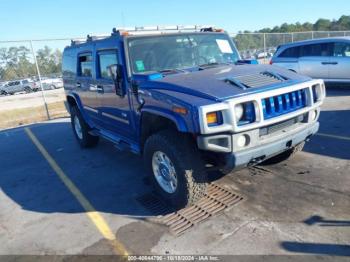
[
  {"x": 28, "y": 90},
  {"x": 81, "y": 130},
  {"x": 176, "y": 169},
  {"x": 290, "y": 153}
]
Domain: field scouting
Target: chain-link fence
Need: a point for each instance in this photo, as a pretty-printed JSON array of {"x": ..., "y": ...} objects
[
  {"x": 31, "y": 78},
  {"x": 31, "y": 86}
]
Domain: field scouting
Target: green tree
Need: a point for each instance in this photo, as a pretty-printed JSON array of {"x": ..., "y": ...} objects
[
  {"x": 17, "y": 62},
  {"x": 322, "y": 25},
  {"x": 49, "y": 61}
]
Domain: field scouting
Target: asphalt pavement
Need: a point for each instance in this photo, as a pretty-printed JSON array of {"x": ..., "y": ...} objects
[{"x": 58, "y": 199}]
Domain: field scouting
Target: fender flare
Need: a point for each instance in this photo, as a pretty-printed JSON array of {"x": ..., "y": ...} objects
[
  {"x": 80, "y": 107},
  {"x": 176, "y": 119}
]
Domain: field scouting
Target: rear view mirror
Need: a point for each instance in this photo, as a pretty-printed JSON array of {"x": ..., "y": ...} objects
[{"x": 116, "y": 73}]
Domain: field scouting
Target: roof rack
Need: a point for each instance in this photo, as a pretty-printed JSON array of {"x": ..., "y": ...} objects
[
  {"x": 138, "y": 30},
  {"x": 89, "y": 37},
  {"x": 78, "y": 41}
]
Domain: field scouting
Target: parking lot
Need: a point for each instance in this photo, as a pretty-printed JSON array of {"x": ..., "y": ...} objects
[
  {"x": 23, "y": 109},
  {"x": 58, "y": 199}
]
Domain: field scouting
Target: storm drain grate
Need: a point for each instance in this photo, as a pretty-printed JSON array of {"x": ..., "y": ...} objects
[
  {"x": 216, "y": 200},
  {"x": 154, "y": 204}
]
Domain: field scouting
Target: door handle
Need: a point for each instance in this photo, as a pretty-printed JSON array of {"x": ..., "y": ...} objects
[
  {"x": 329, "y": 63},
  {"x": 78, "y": 85},
  {"x": 100, "y": 89}
]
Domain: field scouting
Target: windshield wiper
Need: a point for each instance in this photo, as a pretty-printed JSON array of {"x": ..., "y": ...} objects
[
  {"x": 208, "y": 65},
  {"x": 171, "y": 70}
]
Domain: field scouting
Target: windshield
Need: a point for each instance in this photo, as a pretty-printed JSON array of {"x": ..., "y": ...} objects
[{"x": 174, "y": 52}]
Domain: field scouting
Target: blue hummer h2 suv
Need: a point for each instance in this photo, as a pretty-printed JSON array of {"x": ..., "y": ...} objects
[{"x": 182, "y": 98}]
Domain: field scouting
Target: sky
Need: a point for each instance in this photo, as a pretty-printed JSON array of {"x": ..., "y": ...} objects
[{"x": 28, "y": 19}]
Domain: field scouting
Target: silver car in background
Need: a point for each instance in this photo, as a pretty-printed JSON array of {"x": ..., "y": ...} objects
[
  {"x": 24, "y": 85},
  {"x": 327, "y": 58}
]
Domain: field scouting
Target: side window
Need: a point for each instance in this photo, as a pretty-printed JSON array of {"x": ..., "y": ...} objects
[
  {"x": 85, "y": 65},
  {"x": 341, "y": 50},
  {"x": 105, "y": 59},
  {"x": 69, "y": 64},
  {"x": 322, "y": 49},
  {"x": 25, "y": 82},
  {"x": 292, "y": 52}
]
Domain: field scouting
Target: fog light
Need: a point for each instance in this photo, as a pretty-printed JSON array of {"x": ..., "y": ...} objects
[
  {"x": 243, "y": 140},
  {"x": 313, "y": 115}
]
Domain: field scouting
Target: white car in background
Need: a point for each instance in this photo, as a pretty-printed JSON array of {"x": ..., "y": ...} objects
[{"x": 51, "y": 83}]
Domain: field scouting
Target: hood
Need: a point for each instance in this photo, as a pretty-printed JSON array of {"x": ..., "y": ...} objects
[{"x": 222, "y": 82}]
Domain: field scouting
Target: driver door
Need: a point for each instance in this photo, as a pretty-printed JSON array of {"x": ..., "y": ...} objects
[{"x": 114, "y": 109}]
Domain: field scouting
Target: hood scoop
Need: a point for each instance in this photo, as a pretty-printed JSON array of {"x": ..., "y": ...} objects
[{"x": 256, "y": 80}]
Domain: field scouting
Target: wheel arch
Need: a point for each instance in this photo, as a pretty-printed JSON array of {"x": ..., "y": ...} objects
[
  {"x": 73, "y": 100},
  {"x": 153, "y": 121}
]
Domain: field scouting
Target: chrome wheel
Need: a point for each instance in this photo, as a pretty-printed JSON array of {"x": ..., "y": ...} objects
[
  {"x": 77, "y": 127},
  {"x": 164, "y": 172}
]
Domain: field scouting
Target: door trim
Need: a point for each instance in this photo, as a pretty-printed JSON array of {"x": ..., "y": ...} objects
[
  {"x": 90, "y": 109},
  {"x": 125, "y": 121}
]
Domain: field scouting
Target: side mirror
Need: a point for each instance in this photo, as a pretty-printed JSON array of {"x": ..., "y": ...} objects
[{"x": 116, "y": 73}]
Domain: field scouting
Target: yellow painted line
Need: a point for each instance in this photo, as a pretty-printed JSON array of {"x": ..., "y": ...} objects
[
  {"x": 94, "y": 216},
  {"x": 334, "y": 136}
]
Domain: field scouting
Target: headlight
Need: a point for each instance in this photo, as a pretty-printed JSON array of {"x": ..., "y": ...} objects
[
  {"x": 316, "y": 92},
  {"x": 245, "y": 113},
  {"x": 239, "y": 111}
]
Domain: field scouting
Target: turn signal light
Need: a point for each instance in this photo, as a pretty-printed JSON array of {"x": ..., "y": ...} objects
[
  {"x": 214, "y": 118},
  {"x": 180, "y": 110}
]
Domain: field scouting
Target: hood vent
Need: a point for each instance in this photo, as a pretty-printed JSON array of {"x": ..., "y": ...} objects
[{"x": 256, "y": 80}]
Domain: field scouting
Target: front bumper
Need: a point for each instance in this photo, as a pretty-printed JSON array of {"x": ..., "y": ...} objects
[
  {"x": 263, "y": 152},
  {"x": 262, "y": 149}
]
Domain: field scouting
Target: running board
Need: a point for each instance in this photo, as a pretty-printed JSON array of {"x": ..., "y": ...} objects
[{"x": 119, "y": 143}]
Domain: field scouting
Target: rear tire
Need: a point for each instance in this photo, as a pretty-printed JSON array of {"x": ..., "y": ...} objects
[
  {"x": 81, "y": 130},
  {"x": 290, "y": 153},
  {"x": 180, "y": 165}
]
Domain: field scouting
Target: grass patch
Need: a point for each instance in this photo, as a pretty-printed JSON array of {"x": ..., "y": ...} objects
[{"x": 22, "y": 116}]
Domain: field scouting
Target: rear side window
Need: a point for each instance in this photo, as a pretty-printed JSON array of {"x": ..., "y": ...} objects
[
  {"x": 292, "y": 52},
  {"x": 105, "y": 59},
  {"x": 322, "y": 49},
  {"x": 341, "y": 50},
  {"x": 85, "y": 65},
  {"x": 25, "y": 82},
  {"x": 14, "y": 83},
  {"x": 69, "y": 64}
]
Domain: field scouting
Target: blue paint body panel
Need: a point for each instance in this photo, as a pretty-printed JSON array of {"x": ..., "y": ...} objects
[{"x": 158, "y": 94}]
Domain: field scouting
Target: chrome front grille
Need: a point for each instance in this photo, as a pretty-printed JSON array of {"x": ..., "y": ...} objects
[{"x": 283, "y": 104}]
